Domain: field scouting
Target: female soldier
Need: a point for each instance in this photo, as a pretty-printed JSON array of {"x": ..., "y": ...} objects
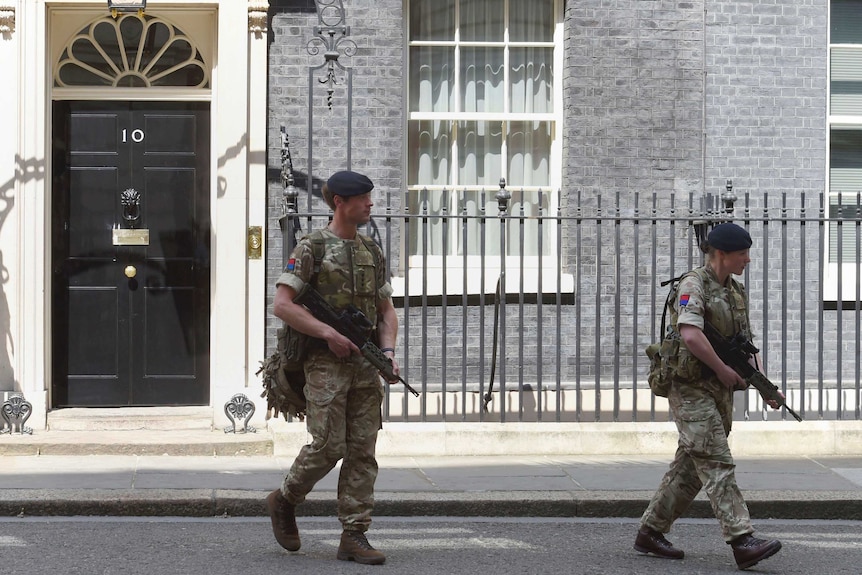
[{"x": 701, "y": 402}]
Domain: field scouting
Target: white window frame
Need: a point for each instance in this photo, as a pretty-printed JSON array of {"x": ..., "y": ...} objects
[
  {"x": 425, "y": 271},
  {"x": 833, "y": 271}
]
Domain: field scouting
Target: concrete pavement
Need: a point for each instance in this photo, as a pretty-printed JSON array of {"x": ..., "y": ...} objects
[
  {"x": 141, "y": 482},
  {"x": 179, "y": 462}
]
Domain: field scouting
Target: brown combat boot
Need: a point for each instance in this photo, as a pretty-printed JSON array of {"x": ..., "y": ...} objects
[
  {"x": 748, "y": 550},
  {"x": 283, "y": 516},
  {"x": 355, "y": 547},
  {"x": 651, "y": 541}
]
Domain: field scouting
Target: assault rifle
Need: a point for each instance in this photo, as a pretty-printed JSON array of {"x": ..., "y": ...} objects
[
  {"x": 352, "y": 324},
  {"x": 736, "y": 352}
]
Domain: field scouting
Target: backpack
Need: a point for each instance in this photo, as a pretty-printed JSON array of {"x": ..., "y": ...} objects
[
  {"x": 665, "y": 364},
  {"x": 662, "y": 355},
  {"x": 284, "y": 371}
]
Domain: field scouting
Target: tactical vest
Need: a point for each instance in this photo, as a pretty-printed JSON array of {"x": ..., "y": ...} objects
[
  {"x": 283, "y": 372},
  {"x": 346, "y": 272},
  {"x": 728, "y": 317}
]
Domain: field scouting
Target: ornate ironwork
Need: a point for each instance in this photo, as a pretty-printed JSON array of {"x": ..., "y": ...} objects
[
  {"x": 728, "y": 198},
  {"x": 332, "y": 39},
  {"x": 288, "y": 222},
  {"x": 503, "y": 196},
  {"x": 169, "y": 57},
  {"x": 239, "y": 408},
  {"x": 712, "y": 214},
  {"x": 131, "y": 200},
  {"x": 16, "y": 411}
]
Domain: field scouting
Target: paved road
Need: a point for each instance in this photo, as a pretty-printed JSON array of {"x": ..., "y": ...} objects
[{"x": 415, "y": 546}]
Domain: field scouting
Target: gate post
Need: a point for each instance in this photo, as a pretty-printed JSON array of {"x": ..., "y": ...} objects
[
  {"x": 503, "y": 196},
  {"x": 711, "y": 214}
]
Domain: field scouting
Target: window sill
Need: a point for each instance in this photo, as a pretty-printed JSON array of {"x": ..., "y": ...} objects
[{"x": 432, "y": 284}]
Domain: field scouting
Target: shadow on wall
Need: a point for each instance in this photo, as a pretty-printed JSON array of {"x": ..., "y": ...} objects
[
  {"x": 302, "y": 226},
  {"x": 25, "y": 170},
  {"x": 288, "y": 7}
]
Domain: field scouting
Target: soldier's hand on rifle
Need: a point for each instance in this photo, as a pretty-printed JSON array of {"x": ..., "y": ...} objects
[
  {"x": 696, "y": 341},
  {"x": 774, "y": 404},
  {"x": 396, "y": 370},
  {"x": 341, "y": 346},
  {"x": 728, "y": 376}
]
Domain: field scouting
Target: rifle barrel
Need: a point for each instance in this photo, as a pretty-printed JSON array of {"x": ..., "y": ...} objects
[{"x": 732, "y": 352}]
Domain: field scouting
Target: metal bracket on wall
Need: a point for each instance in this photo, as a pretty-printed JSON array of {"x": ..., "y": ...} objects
[
  {"x": 332, "y": 33},
  {"x": 255, "y": 242},
  {"x": 239, "y": 408},
  {"x": 16, "y": 411}
]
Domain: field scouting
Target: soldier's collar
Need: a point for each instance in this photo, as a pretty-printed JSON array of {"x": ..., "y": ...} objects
[{"x": 711, "y": 272}]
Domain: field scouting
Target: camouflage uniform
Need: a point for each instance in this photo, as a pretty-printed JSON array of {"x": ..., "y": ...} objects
[
  {"x": 702, "y": 409},
  {"x": 343, "y": 395}
]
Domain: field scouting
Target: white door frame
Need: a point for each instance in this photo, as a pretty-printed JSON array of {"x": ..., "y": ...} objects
[{"x": 238, "y": 168}]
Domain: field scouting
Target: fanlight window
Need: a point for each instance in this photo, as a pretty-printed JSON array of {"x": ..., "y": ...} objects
[{"x": 131, "y": 52}]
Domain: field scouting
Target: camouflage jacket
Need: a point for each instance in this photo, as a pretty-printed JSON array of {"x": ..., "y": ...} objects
[
  {"x": 351, "y": 271},
  {"x": 699, "y": 298}
]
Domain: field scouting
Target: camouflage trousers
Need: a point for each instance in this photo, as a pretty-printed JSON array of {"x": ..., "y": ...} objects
[
  {"x": 703, "y": 461},
  {"x": 343, "y": 418}
]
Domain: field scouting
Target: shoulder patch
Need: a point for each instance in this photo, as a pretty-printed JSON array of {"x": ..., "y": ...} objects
[{"x": 683, "y": 299}]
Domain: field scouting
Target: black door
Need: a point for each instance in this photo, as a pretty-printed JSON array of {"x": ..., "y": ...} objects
[{"x": 131, "y": 265}]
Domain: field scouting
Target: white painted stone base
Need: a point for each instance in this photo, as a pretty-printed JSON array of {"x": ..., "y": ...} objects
[{"x": 749, "y": 438}]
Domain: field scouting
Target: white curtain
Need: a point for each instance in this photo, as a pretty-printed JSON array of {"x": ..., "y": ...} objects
[
  {"x": 432, "y": 20},
  {"x": 531, "y": 21},
  {"x": 481, "y": 20},
  {"x": 479, "y": 153},
  {"x": 531, "y": 74},
  {"x": 472, "y": 201},
  {"x": 529, "y": 145},
  {"x": 481, "y": 75}
]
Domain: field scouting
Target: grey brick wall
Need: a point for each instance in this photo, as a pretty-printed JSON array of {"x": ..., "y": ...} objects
[
  {"x": 633, "y": 96},
  {"x": 765, "y": 101},
  {"x": 376, "y": 129},
  {"x": 678, "y": 97},
  {"x": 664, "y": 100},
  {"x": 766, "y": 64}
]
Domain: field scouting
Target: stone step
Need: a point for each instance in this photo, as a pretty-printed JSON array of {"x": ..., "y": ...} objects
[
  {"x": 131, "y": 419},
  {"x": 136, "y": 431},
  {"x": 137, "y": 442}
]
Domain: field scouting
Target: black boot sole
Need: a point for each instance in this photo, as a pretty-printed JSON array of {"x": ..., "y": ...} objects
[
  {"x": 342, "y": 556},
  {"x": 646, "y": 551}
]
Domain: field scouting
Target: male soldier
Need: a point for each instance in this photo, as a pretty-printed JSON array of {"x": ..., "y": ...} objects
[
  {"x": 701, "y": 402},
  {"x": 343, "y": 390}
]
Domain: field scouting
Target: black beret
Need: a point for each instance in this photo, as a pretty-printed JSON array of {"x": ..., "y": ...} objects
[
  {"x": 347, "y": 183},
  {"x": 729, "y": 237}
]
